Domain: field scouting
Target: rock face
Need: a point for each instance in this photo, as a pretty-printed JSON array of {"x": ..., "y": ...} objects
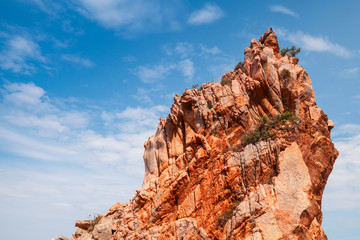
[{"x": 247, "y": 158}]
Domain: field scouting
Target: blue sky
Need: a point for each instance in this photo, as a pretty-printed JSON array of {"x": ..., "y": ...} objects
[{"x": 83, "y": 84}]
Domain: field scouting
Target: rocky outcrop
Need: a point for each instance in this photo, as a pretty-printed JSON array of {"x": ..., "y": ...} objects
[{"x": 247, "y": 158}]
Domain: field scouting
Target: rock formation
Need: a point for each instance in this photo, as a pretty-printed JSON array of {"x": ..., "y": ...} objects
[{"x": 247, "y": 158}]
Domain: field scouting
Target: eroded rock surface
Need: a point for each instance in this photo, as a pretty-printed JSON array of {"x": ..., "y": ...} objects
[{"x": 202, "y": 181}]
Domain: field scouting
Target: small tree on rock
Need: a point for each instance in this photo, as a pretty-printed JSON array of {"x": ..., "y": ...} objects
[
  {"x": 195, "y": 86},
  {"x": 290, "y": 51}
]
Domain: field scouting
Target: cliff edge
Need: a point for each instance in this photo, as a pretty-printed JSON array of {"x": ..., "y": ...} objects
[{"x": 247, "y": 158}]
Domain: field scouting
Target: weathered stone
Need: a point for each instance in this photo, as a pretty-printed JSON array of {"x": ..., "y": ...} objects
[
  {"x": 84, "y": 224},
  {"x": 115, "y": 207},
  {"x": 204, "y": 181},
  {"x": 291, "y": 187},
  {"x": 63, "y": 238},
  {"x": 102, "y": 230}
]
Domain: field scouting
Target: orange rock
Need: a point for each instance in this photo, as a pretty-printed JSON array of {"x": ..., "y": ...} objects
[
  {"x": 205, "y": 180},
  {"x": 63, "y": 238},
  {"x": 83, "y": 224},
  {"x": 115, "y": 207}
]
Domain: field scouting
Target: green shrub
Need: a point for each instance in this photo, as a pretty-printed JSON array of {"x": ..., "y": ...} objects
[
  {"x": 94, "y": 222},
  {"x": 225, "y": 81},
  {"x": 266, "y": 128},
  {"x": 284, "y": 117},
  {"x": 97, "y": 220},
  {"x": 264, "y": 119},
  {"x": 227, "y": 214},
  {"x": 290, "y": 51},
  {"x": 195, "y": 86},
  {"x": 262, "y": 132},
  {"x": 285, "y": 75},
  {"x": 240, "y": 65}
]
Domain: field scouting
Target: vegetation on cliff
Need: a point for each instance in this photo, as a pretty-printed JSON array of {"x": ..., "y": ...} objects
[{"x": 267, "y": 128}]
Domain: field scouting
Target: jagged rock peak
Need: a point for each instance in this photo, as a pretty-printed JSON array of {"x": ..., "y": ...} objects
[
  {"x": 247, "y": 158},
  {"x": 269, "y": 39}
]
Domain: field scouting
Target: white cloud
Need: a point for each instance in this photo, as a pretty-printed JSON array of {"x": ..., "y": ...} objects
[
  {"x": 143, "y": 96},
  {"x": 22, "y": 93},
  {"x": 68, "y": 27},
  {"x": 184, "y": 57},
  {"x": 342, "y": 191},
  {"x": 129, "y": 59},
  {"x": 61, "y": 44},
  {"x": 223, "y": 65},
  {"x": 282, "y": 9},
  {"x": 67, "y": 163},
  {"x": 351, "y": 72},
  {"x": 32, "y": 126},
  {"x": 150, "y": 74},
  {"x": 127, "y": 15},
  {"x": 18, "y": 53},
  {"x": 48, "y": 6},
  {"x": 59, "y": 195},
  {"x": 78, "y": 60},
  {"x": 187, "y": 68},
  {"x": 185, "y": 50},
  {"x": 29, "y": 146},
  {"x": 134, "y": 119},
  {"x": 214, "y": 50},
  {"x": 155, "y": 73},
  {"x": 346, "y": 129},
  {"x": 26, "y": 106},
  {"x": 209, "y": 14},
  {"x": 313, "y": 43}
]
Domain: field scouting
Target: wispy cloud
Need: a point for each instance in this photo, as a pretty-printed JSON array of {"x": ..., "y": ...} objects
[
  {"x": 61, "y": 44},
  {"x": 208, "y": 14},
  {"x": 346, "y": 129},
  {"x": 136, "y": 119},
  {"x": 32, "y": 109},
  {"x": 184, "y": 57},
  {"x": 346, "y": 73},
  {"x": 129, "y": 59},
  {"x": 158, "y": 72},
  {"x": 351, "y": 72},
  {"x": 146, "y": 95},
  {"x": 78, "y": 60},
  {"x": 223, "y": 66},
  {"x": 143, "y": 95},
  {"x": 19, "y": 52},
  {"x": 68, "y": 27},
  {"x": 187, "y": 68},
  {"x": 150, "y": 74},
  {"x": 48, "y": 6},
  {"x": 186, "y": 49},
  {"x": 344, "y": 182},
  {"x": 71, "y": 160},
  {"x": 282, "y": 9},
  {"x": 31, "y": 121},
  {"x": 214, "y": 50},
  {"x": 313, "y": 43},
  {"x": 183, "y": 49},
  {"x": 23, "y": 93},
  {"x": 131, "y": 16}
]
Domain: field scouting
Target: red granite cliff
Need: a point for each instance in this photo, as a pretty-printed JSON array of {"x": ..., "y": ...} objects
[{"x": 247, "y": 158}]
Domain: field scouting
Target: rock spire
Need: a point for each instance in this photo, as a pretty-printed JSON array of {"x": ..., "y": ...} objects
[{"x": 247, "y": 158}]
